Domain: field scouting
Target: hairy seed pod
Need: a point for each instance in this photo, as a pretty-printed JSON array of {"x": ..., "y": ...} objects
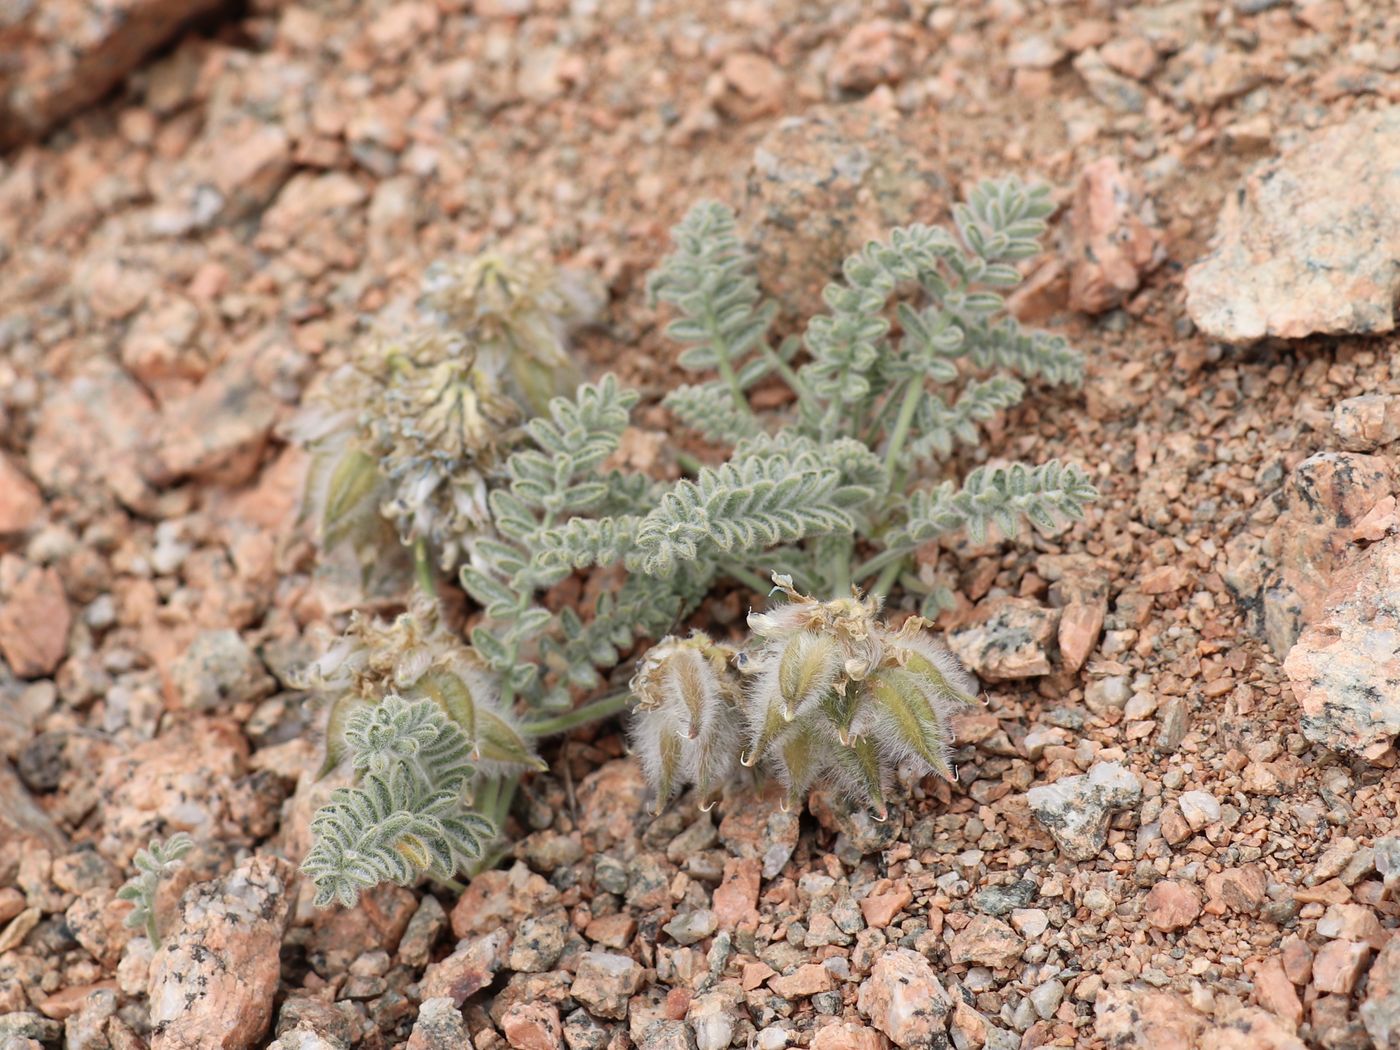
[{"x": 683, "y": 726}]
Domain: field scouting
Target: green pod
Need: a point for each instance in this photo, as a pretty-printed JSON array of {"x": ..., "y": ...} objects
[
  {"x": 498, "y": 741},
  {"x": 840, "y": 710},
  {"x": 803, "y": 755},
  {"x": 910, "y": 718},
  {"x": 806, "y": 666},
  {"x": 685, "y": 669},
  {"x": 937, "y": 680},
  {"x": 350, "y": 489},
  {"x": 345, "y": 705},
  {"x": 862, "y": 761},
  {"x": 774, "y": 722},
  {"x": 451, "y": 694},
  {"x": 670, "y": 748}
]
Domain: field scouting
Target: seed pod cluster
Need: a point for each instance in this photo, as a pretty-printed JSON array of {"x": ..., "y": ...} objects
[
  {"x": 825, "y": 693},
  {"x": 686, "y": 725}
]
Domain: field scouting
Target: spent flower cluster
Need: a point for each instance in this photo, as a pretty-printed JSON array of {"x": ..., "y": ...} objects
[
  {"x": 829, "y": 495},
  {"x": 408, "y": 434}
]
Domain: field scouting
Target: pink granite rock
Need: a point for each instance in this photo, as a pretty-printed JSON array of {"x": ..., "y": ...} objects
[
  {"x": 61, "y": 55},
  {"x": 1309, "y": 244},
  {"x": 903, "y": 998},
  {"x": 1344, "y": 666},
  {"x": 212, "y": 983},
  {"x": 1114, "y": 238},
  {"x": 1285, "y": 577},
  {"x": 34, "y": 618}
]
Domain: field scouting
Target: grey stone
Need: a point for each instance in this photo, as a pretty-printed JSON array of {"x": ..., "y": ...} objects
[
  {"x": 217, "y": 671},
  {"x": 1076, "y": 809}
]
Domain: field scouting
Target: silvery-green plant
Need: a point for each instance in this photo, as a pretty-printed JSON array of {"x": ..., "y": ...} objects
[
  {"x": 830, "y": 496},
  {"x": 408, "y": 814},
  {"x": 421, "y": 728},
  {"x": 836, "y": 491},
  {"x": 153, "y": 864}
]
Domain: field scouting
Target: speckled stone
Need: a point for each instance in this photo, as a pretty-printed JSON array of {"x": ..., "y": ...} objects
[
  {"x": 212, "y": 983},
  {"x": 823, "y": 184},
  {"x": 605, "y": 981},
  {"x": 1309, "y": 243},
  {"x": 1344, "y": 667},
  {"x": 903, "y": 998},
  {"x": 1284, "y": 579},
  {"x": 1076, "y": 809},
  {"x": 1008, "y": 638}
]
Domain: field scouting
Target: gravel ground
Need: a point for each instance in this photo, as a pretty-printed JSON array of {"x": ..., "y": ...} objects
[{"x": 1170, "y": 826}]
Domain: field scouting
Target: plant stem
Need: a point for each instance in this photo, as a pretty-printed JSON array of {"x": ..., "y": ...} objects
[
  {"x": 723, "y": 364},
  {"x": 152, "y": 934},
  {"x": 594, "y": 712},
  {"x": 888, "y": 575},
  {"x": 687, "y": 462},
  {"x": 789, "y": 374},
  {"x": 873, "y": 565},
  {"x": 749, "y": 579},
  {"x": 423, "y": 568},
  {"x": 727, "y": 373},
  {"x": 907, "y": 407},
  {"x": 840, "y": 578}
]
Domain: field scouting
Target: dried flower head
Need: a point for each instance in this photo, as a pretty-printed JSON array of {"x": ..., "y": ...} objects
[
  {"x": 685, "y": 727},
  {"x": 415, "y": 657},
  {"x": 408, "y": 432},
  {"x": 415, "y": 426},
  {"x": 517, "y": 314}
]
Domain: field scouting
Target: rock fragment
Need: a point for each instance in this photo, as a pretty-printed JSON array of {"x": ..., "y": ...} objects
[
  {"x": 1240, "y": 890},
  {"x": 1284, "y": 579},
  {"x": 823, "y": 184},
  {"x": 439, "y": 1026},
  {"x": 212, "y": 983},
  {"x": 872, "y": 53},
  {"x": 1200, "y": 808},
  {"x": 604, "y": 983},
  {"x": 1172, "y": 905},
  {"x": 1364, "y": 423},
  {"x": 217, "y": 433},
  {"x": 1076, "y": 809},
  {"x": 987, "y": 942},
  {"x": 1380, "y": 1012},
  {"x": 91, "y": 433},
  {"x": 1338, "y": 965},
  {"x": 533, "y": 1026},
  {"x": 1079, "y": 589},
  {"x": 34, "y": 618},
  {"x": 63, "y": 56},
  {"x": 1344, "y": 667},
  {"x": 903, "y": 998},
  {"x": 1127, "y": 1016},
  {"x": 1008, "y": 638},
  {"x": 1114, "y": 240},
  {"x": 466, "y": 971},
  {"x": 1311, "y": 242},
  {"x": 21, "y": 505},
  {"x": 219, "y": 670}
]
